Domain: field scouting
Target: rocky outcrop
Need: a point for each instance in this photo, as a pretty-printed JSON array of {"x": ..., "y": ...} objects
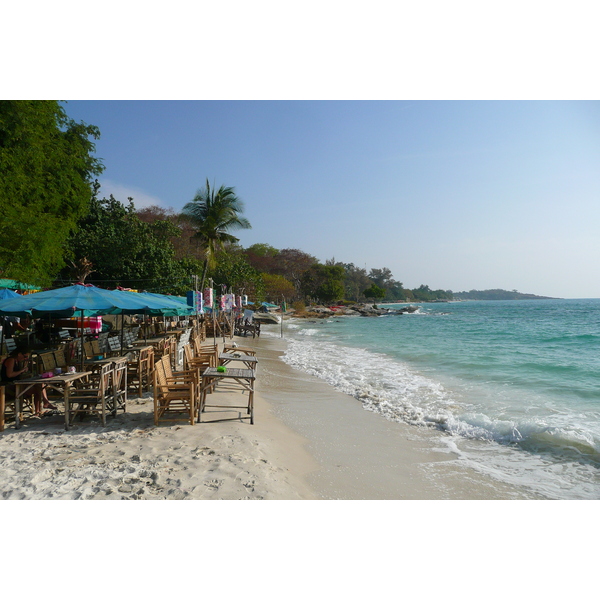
[{"x": 363, "y": 310}]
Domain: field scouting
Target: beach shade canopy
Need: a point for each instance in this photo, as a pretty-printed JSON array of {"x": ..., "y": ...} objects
[
  {"x": 179, "y": 305},
  {"x": 80, "y": 300},
  {"x": 161, "y": 304},
  {"x": 11, "y": 284},
  {"x": 5, "y": 294}
]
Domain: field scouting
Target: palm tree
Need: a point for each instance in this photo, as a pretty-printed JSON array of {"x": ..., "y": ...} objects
[{"x": 213, "y": 215}]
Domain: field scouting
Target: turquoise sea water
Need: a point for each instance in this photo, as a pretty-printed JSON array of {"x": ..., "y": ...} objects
[{"x": 513, "y": 387}]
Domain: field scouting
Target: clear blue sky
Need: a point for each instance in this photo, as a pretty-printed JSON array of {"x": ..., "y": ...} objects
[{"x": 454, "y": 194}]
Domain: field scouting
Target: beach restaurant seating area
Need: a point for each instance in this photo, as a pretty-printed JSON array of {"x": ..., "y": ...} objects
[{"x": 88, "y": 378}]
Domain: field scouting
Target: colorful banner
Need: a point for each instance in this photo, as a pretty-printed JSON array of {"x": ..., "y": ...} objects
[
  {"x": 196, "y": 300},
  {"x": 208, "y": 297}
]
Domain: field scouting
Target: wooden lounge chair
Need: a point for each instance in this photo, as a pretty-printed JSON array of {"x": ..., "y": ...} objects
[{"x": 172, "y": 397}]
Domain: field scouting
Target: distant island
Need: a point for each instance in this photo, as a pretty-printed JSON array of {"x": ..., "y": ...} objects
[{"x": 497, "y": 295}]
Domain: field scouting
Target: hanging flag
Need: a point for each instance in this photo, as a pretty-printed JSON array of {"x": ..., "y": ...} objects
[
  {"x": 208, "y": 297},
  {"x": 191, "y": 298}
]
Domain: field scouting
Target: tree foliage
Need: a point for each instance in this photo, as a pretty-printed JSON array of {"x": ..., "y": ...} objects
[
  {"x": 375, "y": 292},
  {"x": 235, "y": 273},
  {"x": 214, "y": 214},
  {"x": 324, "y": 282},
  {"x": 47, "y": 169},
  {"x": 355, "y": 280},
  {"x": 128, "y": 252},
  {"x": 278, "y": 287}
]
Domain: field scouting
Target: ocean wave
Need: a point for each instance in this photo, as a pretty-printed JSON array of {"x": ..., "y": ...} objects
[{"x": 398, "y": 393}]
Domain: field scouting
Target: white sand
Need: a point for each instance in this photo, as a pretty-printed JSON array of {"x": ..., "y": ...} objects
[{"x": 308, "y": 442}]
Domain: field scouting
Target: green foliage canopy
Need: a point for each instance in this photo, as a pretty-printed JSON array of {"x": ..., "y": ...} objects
[
  {"x": 234, "y": 271},
  {"x": 128, "y": 252},
  {"x": 375, "y": 292},
  {"x": 214, "y": 214},
  {"x": 324, "y": 282},
  {"x": 47, "y": 168}
]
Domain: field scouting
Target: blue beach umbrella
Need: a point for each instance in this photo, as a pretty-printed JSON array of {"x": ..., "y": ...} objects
[
  {"x": 84, "y": 301},
  {"x": 172, "y": 305},
  {"x": 6, "y": 293},
  {"x": 88, "y": 301}
]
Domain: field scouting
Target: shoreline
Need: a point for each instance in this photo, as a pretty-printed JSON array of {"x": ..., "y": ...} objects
[
  {"x": 360, "y": 454},
  {"x": 309, "y": 441}
]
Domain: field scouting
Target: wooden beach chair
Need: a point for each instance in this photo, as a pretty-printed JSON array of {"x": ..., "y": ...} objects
[
  {"x": 184, "y": 376},
  {"x": 47, "y": 362},
  {"x": 114, "y": 345},
  {"x": 94, "y": 400},
  {"x": 60, "y": 359},
  {"x": 139, "y": 370},
  {"x": 198, "y": 363},
  {"x": 172, "y": 397},
  {"x": 119, "y": 386}
]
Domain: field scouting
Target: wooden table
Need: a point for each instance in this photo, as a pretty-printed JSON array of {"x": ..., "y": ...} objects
[
  {"x": 60, "y": 383},
  {"x": 249, "y": 361},
  {"x": 236, "y": 379},
  {"x": 249, "y": 351},
  {"x": 151, "y": 341},
  {"x": 97, "y": 364}
]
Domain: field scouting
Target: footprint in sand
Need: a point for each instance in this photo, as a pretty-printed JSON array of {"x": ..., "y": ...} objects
[{"x": 213, "y": 484}]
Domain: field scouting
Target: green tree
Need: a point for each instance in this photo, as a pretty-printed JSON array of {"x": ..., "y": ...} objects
[
  {"x": 355, "y": 280},
  {"x": 277, "y": 287},
  {"x": 325, "y": 282},
  {"x": 375, "y": 292},
  {"x": 126, "y": 251},
  {"x": 293, "y": 264},
  {"x": 235, "y": 272},
  {"x": 213, "y": 214},
  {"x": 263, "y": 257},
  {"x": 46, "y": 173}
]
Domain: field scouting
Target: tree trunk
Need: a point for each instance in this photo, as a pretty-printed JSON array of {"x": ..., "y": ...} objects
[{"x": 204, "y": 270}]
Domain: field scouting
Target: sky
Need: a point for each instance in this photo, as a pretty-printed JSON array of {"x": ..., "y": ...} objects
[
  {"x": 454, "y": 143},
  {"x": 453, "y": 194}
]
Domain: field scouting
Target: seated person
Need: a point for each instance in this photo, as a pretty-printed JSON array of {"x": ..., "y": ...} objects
[{"x": 13, "y": 366}]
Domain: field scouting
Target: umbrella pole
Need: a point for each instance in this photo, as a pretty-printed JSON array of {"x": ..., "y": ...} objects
[
  {"x": 122, "y": 330},
  {"x": 81, "y": 343}
]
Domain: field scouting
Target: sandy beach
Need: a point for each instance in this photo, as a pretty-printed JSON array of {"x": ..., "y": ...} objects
[{"x": 308, "y": 442}]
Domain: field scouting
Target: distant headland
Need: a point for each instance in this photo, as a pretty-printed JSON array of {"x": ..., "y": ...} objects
[{"x": 497, "y": 295}]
